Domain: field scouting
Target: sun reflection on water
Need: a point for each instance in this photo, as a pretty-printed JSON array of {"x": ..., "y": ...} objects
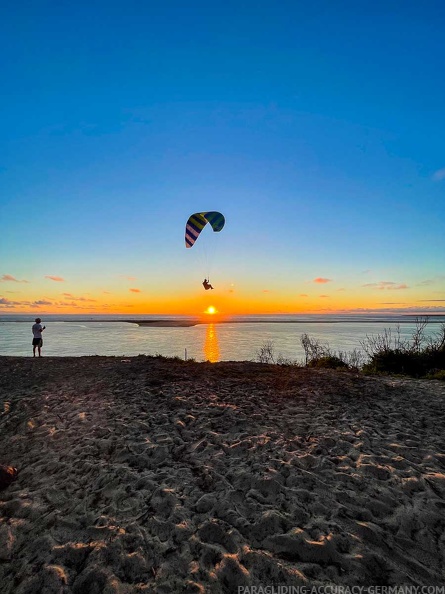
[{"x": 211, "y": 346}]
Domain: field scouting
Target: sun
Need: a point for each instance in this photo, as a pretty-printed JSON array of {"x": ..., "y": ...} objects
[{"x": 210, "y": 310}]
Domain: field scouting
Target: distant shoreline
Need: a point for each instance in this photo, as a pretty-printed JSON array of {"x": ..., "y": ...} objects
[{"x": 187, "y": 323}]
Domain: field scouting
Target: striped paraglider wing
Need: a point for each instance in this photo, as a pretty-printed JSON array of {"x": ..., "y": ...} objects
[{"x": 198, "y": 221}]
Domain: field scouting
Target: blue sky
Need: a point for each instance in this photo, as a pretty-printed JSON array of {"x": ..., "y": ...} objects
[{"x": 316, "y": 128}]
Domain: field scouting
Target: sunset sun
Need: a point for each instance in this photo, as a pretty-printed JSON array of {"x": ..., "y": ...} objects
[{"x": 210, "y": 310}]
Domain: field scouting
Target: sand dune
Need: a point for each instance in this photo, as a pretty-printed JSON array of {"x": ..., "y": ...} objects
[{"x": 154, "y": 475}]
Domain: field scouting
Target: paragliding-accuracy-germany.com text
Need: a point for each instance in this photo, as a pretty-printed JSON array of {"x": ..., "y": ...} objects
[{"x": 333, "y": 589}]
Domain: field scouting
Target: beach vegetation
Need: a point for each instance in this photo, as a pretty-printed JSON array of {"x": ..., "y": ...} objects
[
  {"x": 416, "y": 357},
  {"x": 314, "y": 350},
  {"x": 437, "y": 374},
  {"x": 266, "y": 354},
  {"x": 419, "y": 356},
  {"x": 320, "y": 355},
  {"x": 328, "y": 362}
]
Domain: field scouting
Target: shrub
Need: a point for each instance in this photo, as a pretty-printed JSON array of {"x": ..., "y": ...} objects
[
  {"x": 328, "y": 362},
  {"x": 437, "y": 374},
  {"x": 388, "y": 354},
  {"x": 266, "y": 353},
  {"x": 395, "y": 361},
  {"x": 318, "y": 355}
]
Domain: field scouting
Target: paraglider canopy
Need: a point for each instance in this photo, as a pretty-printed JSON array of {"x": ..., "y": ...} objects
[{"x": 198, "y": 221}]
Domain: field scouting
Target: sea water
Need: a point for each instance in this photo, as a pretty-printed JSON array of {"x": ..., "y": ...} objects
[{"x": 240, "y": 338}]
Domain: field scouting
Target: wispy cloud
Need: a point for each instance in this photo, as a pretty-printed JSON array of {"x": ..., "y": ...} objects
[
  {"x": 135, "y": 290},
  {"x": 42, "y": 302},
  {"x": 392, "y": 303},
  {"x": 324, "y": 296},
  {"x": 69, "y": 296},
  {"x": 5, "y": 301},
  {"x": 439, "y": 175},
  {"x": 130, "y": 278},
  {"x": 412, "y": 309},
  {"x": 430, "y": 281},
  {"x": 302, "y": 295},
  {"x": 433, "y": 300},
  {"x": 58, "y": 279},
  {"x": 321, "y": 281},
  {"x": 388, "y": 285},
  {"x": 8, "y": 278}
]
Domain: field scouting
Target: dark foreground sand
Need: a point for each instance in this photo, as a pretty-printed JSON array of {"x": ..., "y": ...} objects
[{"x": 154, "y": 475}]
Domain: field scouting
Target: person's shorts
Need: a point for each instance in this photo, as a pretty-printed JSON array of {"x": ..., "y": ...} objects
[{"x": 37, "y": 342}]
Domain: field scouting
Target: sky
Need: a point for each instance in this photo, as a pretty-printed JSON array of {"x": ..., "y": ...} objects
[{"x": 316, "y": 128}]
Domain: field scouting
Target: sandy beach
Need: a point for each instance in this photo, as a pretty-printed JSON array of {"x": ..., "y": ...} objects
[{"x": 156, "y": 475}]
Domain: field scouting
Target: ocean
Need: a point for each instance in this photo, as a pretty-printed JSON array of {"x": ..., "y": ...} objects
[{"x": 239, "y": 338}]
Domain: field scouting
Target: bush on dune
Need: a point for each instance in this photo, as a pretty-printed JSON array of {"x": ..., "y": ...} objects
[
  {"x": 417, "y": 357},
  {"x": 328, "y": 362}
]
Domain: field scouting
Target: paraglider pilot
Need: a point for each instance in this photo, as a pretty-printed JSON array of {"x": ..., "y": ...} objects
[{"x": 207, "y": 285}]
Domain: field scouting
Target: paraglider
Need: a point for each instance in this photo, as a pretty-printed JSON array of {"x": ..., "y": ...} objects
[
  {"x": 198, "y": 221},
  {"x": 196, "y": 224}
]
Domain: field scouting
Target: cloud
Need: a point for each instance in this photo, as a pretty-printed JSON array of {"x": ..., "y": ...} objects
[
  {"x": 392, "y": 303},
  {"x": 431, "y": 281},
  {"x": 131, "y": 278},
  {"x": 388, "y": 285},
  {"x": 321, "y": 280},
  {"x": 412, "y": 309},
  {"x": 8, "y": 303},
  {"x": 58, "y": 279},
  {"x": 324, "y": 296},
  {"x": 266, "y": 291},
  {"x": 302, "y": 295},
  {"x": 135, "y": 290},
  {"x": 80, "y": 305},
  {"x": 8, "y": 278},
  {"x": 69, "y": 296},
  {"x": 434, "y": 300},
  {"x": 42, "y": 302},
  {"x": 439, "y": 175}
]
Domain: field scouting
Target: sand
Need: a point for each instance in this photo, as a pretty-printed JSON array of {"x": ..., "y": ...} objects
[{"x": 155, "y": 475}]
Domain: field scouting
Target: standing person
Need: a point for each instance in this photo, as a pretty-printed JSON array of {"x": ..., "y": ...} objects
[{"x": 37, "y": 341}]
